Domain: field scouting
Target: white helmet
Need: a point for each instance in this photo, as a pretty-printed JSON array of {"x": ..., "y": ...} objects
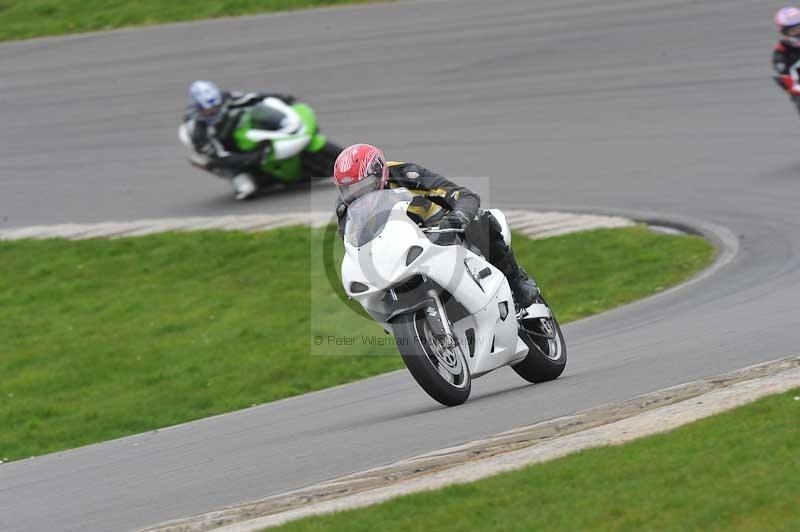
[
  {"x": 207, "y": 101},
  {"x": 788, "y": 22}
]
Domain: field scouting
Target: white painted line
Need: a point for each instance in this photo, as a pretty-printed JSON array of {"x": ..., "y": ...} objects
[
  {"x": 531, "y": 223},
  {"x": 547, "y": 224}
]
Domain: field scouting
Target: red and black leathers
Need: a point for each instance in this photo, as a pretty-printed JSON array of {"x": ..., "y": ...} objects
[
  {"x": 785, "y": 59},
  {"x": 784, "y": 56}
]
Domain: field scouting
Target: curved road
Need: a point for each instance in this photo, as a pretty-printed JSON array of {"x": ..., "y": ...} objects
[{"x": 659, "y": 106}]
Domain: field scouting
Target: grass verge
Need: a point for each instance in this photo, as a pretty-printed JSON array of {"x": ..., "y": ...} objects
[
  {"x": 39, "y": 18},
  {"x": 733, "y": 471},
  {"x": 102, "y": 339}
]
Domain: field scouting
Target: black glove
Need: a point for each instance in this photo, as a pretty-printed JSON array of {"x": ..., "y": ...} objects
[
  {"x": 455, "y": 220},
  {"x": 207, "y": 149},
  {"x": 341, "y": 215}
]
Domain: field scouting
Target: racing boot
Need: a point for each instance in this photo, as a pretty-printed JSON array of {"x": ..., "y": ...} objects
[
  {"x": 522, "y": 286},
  {"x": 243, "y": 186}
]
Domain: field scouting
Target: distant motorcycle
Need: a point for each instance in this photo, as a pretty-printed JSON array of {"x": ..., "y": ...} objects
[
  {"x": 451, "y": 312},
  {"x": 297, "y": 152},
  {"x": 790, "y": 83}
]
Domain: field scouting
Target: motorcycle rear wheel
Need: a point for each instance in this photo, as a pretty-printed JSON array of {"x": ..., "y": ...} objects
[
  {"x": 319, "y": 165},
  {"x": 443, "y": 373}
]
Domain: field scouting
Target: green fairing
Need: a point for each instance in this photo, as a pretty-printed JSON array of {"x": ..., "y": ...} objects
[
  {"x": 308, "y": 117},
  {"x": 240, "y": 135},
  {"x": 287, "y": 170}
]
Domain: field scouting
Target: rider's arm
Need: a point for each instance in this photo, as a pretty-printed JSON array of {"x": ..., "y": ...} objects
[
  {"x": 341, "y": 215},
  {"x": 288, "y": 99},
  {"x": 780, "y": 63},
  {"x": 219, "y": 158},
  {"x": 201, "y": 142},
  {"x": 415, "y": 177}
]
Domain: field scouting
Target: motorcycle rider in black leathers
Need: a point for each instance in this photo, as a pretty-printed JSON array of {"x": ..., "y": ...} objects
[
  {"x": 212, "y": 117},
  {"x": 362, "y": 168},
  {"x": 786, "y": 55}
]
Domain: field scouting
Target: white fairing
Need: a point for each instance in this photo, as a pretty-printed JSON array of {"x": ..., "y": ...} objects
[
  {"x": 289, "y": 147},
  {"x": 380, "y": 264},
  {"x": 291, "y": 139},
  {"x": 504, "y": 229}
]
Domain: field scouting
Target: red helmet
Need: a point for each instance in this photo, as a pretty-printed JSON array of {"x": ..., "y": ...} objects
[{"x": 359, "y": 170}]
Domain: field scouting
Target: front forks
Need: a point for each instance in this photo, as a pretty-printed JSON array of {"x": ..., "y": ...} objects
[{"x": 437, "y": 319}]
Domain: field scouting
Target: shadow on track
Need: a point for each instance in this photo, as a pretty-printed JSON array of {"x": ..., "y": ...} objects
[
  {"x": 790, "y": 172},
  {"x": 224, "y": 200},
  {"x": 433, "y": 407}
]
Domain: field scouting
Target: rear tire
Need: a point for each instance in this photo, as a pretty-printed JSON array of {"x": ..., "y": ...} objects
[
  {"x": 447, "y": 382},
  {"x": 547, "y": 357},
  {"x": 319, "y": 165}
]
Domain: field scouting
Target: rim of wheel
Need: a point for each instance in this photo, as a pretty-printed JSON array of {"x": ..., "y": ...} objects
[
  {"x": 549, "y": 342},
  {"x": 447, "y": 361}
]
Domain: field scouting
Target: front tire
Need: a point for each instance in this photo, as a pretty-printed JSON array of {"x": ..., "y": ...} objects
[
  {"x": 547, "y": 351},
  {"x": 442, "y": 373}
]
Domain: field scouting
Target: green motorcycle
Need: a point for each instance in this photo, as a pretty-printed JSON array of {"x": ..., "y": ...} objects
[{"x": 284, "y": 140}]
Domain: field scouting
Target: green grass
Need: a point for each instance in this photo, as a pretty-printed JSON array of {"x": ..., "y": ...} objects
[
  {"x": 101, "y": 339},
  {"x": 735, "y": 471},
  {"x": 38, "y": 18}
]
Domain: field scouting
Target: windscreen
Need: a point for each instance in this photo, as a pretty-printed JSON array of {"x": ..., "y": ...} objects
[
  {"x": 367, "y": 216},
  {"x": 267, "y": 118}
]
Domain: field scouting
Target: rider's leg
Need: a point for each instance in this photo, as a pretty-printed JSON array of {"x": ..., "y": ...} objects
[
  {"x": 244, "y": 186},
  {"x": 243, "y": 170},
  {"x": 248, "y": 180},
  {"x": 502, "y": 257},
  {"x": 796, "y": 102}
]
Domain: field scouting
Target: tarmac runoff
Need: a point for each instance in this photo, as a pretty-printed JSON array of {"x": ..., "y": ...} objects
[{"x": 612, "y": 424}]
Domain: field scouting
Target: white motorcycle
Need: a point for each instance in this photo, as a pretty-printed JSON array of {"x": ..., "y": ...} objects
[{"x": 451, "y": 312}]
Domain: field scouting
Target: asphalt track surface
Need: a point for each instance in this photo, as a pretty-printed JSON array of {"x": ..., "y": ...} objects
[{"x": 660, "y": 107}]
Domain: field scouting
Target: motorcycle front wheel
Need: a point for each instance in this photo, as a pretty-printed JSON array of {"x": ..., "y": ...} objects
[
  {"x": 440, "y": 370},
  {"x": 547, "y": 350}
]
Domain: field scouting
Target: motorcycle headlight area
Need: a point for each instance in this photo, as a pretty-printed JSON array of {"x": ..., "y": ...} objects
[
  {"x": 413, "y": 253},
  {"x": 358, "y": 288}
]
